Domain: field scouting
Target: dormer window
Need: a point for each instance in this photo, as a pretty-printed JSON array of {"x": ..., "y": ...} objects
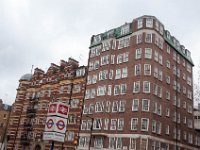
[
  {"x": 149, "y": 22},
  {"x": 139, "y": 23},
  {"x": 168, "y": 35},
  {"x": 161, "y": 29},
  {"x": 125, "y": 29}
]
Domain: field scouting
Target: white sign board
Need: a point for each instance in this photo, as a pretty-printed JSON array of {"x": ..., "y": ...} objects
[
  {"x": 56, "y": 124},
  {"x": 53, "y": 136},
  {"x": 58, "y": 109}
]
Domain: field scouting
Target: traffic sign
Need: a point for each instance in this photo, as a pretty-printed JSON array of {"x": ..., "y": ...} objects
[
  {"x": 50, "y": 123},
  {"x": 58, "y": 109},
  {"x": 61, "y": 125},
  {"x": 54, "y": 136}
]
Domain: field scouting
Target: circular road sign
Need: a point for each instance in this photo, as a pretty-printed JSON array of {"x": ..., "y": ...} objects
[
  {"x": 60, "y": 125},
  {"x": 50, "y": 123}
]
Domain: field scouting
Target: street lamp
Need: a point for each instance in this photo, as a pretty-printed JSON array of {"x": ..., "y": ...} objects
[{"x": 90, "y": 131}]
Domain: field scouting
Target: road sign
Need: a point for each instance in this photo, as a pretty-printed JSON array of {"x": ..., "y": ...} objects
[
  {"x": 58, "y": 109},
  {"x": 56, "y": 124},
  {"x": 50, "y": 123},
  {"x": 54, "y": 136},
  {"x": 61, "y": 125}
]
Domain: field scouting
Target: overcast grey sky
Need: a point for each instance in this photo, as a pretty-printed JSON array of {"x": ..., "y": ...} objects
[{"x": 39, "y": 32}]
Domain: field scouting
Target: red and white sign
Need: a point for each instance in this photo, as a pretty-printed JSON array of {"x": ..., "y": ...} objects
[
  {"x": 50, "y": 124},
  {"x": 56, "y": 124},
  {"x": 58, "y": 109},
  {"x": 54, "y": 136},
  {"x": 61, "y": 125}
]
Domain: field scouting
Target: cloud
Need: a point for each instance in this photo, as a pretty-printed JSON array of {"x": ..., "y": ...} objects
[{"x": 41, "y": 32}]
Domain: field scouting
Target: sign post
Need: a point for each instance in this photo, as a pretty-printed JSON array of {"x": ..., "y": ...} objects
[{"x": 56, "y": 122}]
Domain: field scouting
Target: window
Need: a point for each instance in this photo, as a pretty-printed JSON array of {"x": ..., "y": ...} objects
[
  {"x": 124, "y": 42},
  {"x": 149, "y": 22},
  {"x": 122, "y": 105},
  {"x": 72, "y": 119},
  {"x": 148, "y": 53},
  {"x": 138, "y": 53},
  {"x": 167, "y": 129},
  {"x": 123, "y": 88},
  {"x": 76, "y": 88},
  {"x": 168, "y": 64},
  {"x": 144, "y": 124},
  {"x": 146, "y": 86},
  {"x": 117, "y": 90},
  {"x": 105, "y": 60},
  {"x": 145, "y": 105},
  {"x": 125, "y": 57},
  {"x": 147, "y": 69},
  {"x": 160, "y": 59},
  {"x": 132, "y": 145},
  {"x": 118, "y": 74},
  {"x": 113, "y": 124},
  {"x": 99, "y": 107},
  {"x": 112, "y": 142},
  {"x": 106, "y": 122},
  {"x": 125, "y": 29},
  {"x": 112, "y": 59},
  {"x": 120, "y": 125},
  {"x": 136, "y": 87},
  {"x": 124, "y": 72},
  {"x": 98, "y": 142},
  {"x": 107, "y": 107},
  {"x": 167, "y": 112},
  {"x": 168, "y": 49},
  {"x": 103, "y": 75},
  {"x": 115, "y": 106},
  {"x": 109, "y": 90},
  {"x": 70, "y": 136},
  {"x": 135, "y": 105},
  {"x": 137, "y": 70},
  {"x": 106, "y": 45},
  {"x": 153, "y": 126},
  {"x": 119, "y": 58},
  {"x": 110, "y": 74},
  {"x": 148, "y": 38},
  {"x": 119, "y": 143},
  {"x": 97, "y": 124},
  {"x": 167, "y": 95},
  {"x": 139, "y": 38},
  {"x": 101, "y": 90},
  {"x": 134, "y": 123},
  {"x": 156, "y": 56},
  {"x": 168, "y": 79},
  {"x": 140, "y": 23},
  {"x": 74, "y": 103}
]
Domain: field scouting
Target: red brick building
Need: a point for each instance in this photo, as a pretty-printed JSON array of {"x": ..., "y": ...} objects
[
  {"x": 139, "y": 90},
  {"x": 64, "y": 83}
]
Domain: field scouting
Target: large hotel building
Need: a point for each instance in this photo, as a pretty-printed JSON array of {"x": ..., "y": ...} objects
[
  {"x": 65, "y": 83},
  {"x": 139, "y": 93}
]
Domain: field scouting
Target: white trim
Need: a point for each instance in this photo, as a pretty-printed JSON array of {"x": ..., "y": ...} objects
[{"x": 142, "y": 136}]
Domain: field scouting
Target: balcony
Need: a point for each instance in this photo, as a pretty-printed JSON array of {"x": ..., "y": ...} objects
[
  {"x": 28, "y": 126},
  {"x": 31, "y": 110},
  {"x": 25, "y": 140},
  {"x": 34, "y": 99}
]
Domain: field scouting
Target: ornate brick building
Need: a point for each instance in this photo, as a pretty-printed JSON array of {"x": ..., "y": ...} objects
[
  {"x": 64, "y": 83},
  {"x": 139, "y": 90},
  {"x": 4, "y": 117}
]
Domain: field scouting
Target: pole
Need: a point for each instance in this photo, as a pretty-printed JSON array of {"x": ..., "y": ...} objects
[
  {"x": 90, "y": 142},
  {"x": 52, "y": 145}
]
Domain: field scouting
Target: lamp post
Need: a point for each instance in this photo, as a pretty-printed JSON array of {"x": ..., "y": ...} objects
[{"x": 90, "y": 131}]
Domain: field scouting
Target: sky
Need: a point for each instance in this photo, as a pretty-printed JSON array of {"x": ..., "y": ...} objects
[{"x": 41, "y": 32}]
